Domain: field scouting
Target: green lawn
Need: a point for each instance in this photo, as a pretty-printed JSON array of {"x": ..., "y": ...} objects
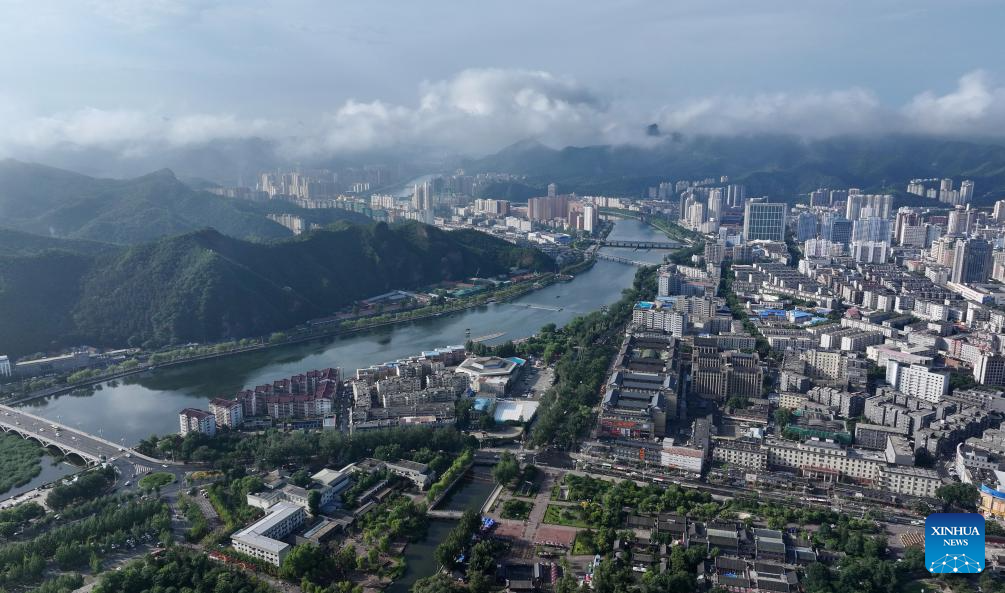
[
  {"x": 156, "y": 480},
  {"x": 568, "y": 516},
  {"x": 516, "y": 509},
  {"x": 581, "y": 546}
]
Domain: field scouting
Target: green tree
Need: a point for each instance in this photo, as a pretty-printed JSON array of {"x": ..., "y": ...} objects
[
  {"x": 506, "y": 470},
  {"x": 313, "y": 502},
  {"x": 958, "y": 495}
]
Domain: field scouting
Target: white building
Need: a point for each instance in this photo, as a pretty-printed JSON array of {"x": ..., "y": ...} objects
[
  {"x": 917, "y": 380},
  {"x": 690, "y": 459},
  {"x": 825, "y": 460},
  {"x": 228, "y": 412},
  {"x": 911, "y": 481},
  {"x": 5, "y": 368},
  {"x": 195, "y": 420},
  {"x": 665, "y": 320},
  {"x": 262, "y": 538}
]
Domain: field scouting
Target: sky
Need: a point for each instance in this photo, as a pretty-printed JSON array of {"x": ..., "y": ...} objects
[{"x": 338, "y": 76}]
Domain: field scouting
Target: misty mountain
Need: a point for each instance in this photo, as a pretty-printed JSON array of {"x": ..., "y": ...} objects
[
  {"x": 48, "y": 201},
  {"x": 779, "y": 166},
  {"x": 203, "y": 285}
]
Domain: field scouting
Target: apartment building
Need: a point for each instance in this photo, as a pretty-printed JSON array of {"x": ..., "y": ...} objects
[
  {"x": 917, "y": 380},
  {"x": 741, "y": 453},
  {"x": 195, "y": 420},
  {"x": 228, "y": 412}
]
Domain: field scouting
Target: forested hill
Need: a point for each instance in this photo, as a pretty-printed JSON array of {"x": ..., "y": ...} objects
[
  {"x": 780, "y": 166},
  {"x": 204, "y": 286},
  {"x": 58, "y": 203}
]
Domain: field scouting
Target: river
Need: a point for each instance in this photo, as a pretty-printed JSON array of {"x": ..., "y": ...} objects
[
  {"x": 138, "y": 406},
  {"x": 471, "y": 492}
]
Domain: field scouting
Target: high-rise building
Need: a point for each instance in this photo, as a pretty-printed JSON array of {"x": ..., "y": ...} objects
[
  {"x": 999, "y": 212},
  {"x": 552, "y": 190},
  {"x": 853, "y": 207},
  {"x": 715, "y": 204},
  {"x": 763, "y": 221},
  {"x": 820, "y": 197},
  {"x": 971, "y": 261},
  {"x": 835, "y": 229},
  {"x": 966, "y": 191},
  {"x": 872, "y": 228},
  {"x": 591, "y": 218},
  {"x": 806, "y": 226},
  {"x": 735, "y": 195}
]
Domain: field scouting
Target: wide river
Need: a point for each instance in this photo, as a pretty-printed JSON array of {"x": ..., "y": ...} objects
[{"x": 146, "y": 404}]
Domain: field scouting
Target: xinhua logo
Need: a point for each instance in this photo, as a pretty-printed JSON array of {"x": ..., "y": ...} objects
[{"x": 954, "y": 542}]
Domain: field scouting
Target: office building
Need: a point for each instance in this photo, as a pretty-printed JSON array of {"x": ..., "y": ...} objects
[
  {"x": 262, "y": 539},
  {"x": 971, "y": 261},
  {"x": 5, "y": 368},
  {"x": 989, "y": 369},
  {"x": 763, "y": 221}
]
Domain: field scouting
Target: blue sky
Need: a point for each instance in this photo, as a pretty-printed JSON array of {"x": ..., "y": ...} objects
[{"x": 340, "y": 75}]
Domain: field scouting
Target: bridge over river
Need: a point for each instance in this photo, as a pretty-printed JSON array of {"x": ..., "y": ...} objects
[
  {"x": 642, "y": 244},
  {"x": 69, "y": 441}
]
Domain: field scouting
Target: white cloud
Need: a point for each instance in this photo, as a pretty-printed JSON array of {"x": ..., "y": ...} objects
[
  {"x": 807, "y": 114},
  {"x": 476, "y": 111},
  {"x": 481, "y": 110},
  {"x": 974, "y": 107}
]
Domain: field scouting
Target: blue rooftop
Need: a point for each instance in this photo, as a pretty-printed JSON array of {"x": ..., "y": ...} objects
[{"x": 645, "y": 305}]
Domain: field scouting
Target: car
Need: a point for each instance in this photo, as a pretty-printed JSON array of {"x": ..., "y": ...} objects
[{"x": 163, "y": 465}]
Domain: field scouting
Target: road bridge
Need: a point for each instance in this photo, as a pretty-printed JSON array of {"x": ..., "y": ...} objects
[
  {"x": 623, "y": 260},
  {"x": 69, "y": 441},
  {"x": 642, "y": 244}
]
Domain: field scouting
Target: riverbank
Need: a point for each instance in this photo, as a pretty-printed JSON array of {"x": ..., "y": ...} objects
[{"x": 303, "y": 335}]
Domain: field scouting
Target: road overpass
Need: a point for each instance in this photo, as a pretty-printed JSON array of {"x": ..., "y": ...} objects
[{"x": 69, "y": 441}]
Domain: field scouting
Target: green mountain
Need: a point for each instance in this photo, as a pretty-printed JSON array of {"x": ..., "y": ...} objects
[
  {"x": 59, "y": 203},
  {"x": 783, "y": 167},
  {"x": 204, "y": 286}
]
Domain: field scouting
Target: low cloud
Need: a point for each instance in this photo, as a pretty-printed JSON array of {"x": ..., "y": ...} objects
[
  {"x": 807, "y": 114},
  {"x": 976, "y": 107},
  {"x": 481, "y": 110}
]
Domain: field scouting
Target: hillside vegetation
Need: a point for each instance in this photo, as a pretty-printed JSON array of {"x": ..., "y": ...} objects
[{"x": 204, "y": 286}]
